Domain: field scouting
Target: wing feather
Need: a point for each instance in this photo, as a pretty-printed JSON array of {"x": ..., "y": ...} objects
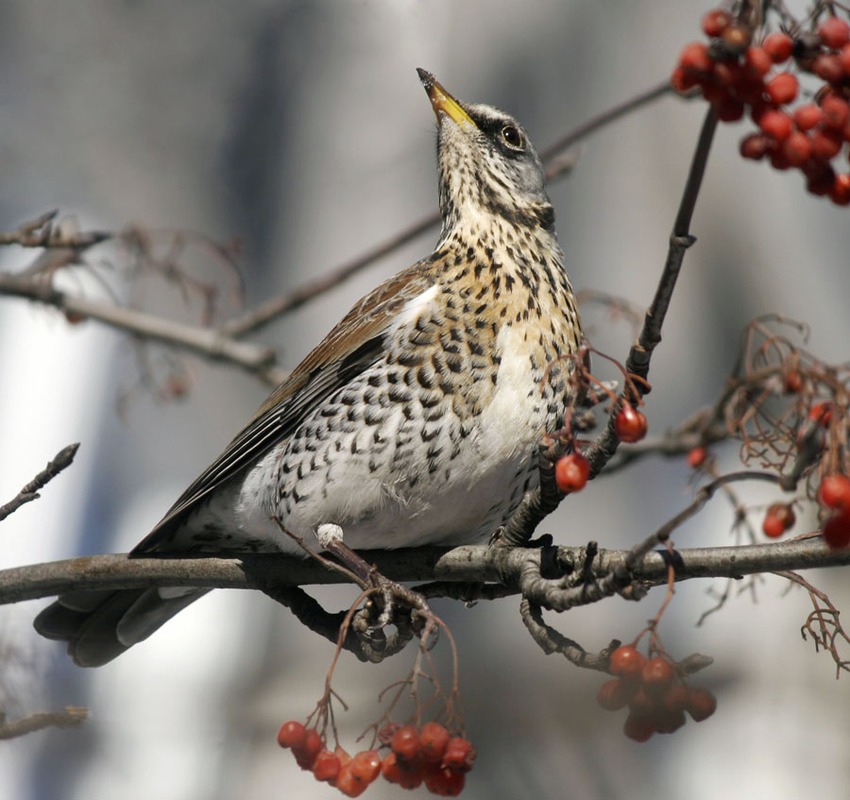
[{"x": 351, "y": 347}]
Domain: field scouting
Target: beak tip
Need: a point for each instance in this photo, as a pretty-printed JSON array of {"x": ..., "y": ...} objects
[{"x": 425, "y": 77}]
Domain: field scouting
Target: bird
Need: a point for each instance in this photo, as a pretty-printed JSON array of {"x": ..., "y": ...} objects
[{"x": 414, "y": 422}]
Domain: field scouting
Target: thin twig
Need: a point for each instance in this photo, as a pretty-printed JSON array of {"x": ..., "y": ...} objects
[
  {"x": 62, "y": 459},
  {"x": 69, "y": 718}
]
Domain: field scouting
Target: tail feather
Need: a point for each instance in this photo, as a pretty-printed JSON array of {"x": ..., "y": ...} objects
[{"x": 101, "y": 625}]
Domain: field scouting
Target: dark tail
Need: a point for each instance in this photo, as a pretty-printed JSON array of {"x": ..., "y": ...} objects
[{"x": 100, "y": 625}]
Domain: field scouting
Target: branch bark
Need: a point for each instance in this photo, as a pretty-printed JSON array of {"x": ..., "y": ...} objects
[{"x": 470, "y": 564}]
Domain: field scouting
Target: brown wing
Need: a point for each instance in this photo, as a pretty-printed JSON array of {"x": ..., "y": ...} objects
[{"x": 353, "y": 345}]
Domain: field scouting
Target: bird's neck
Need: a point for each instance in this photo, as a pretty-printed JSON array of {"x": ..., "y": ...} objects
[{"x": 483, "y": 230}]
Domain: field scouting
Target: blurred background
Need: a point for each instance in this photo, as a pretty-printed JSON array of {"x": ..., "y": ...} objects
[{"x": 301, "y": 128}]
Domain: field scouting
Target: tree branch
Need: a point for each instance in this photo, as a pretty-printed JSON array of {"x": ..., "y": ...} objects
[
  {"x": 470, "y": 564},
  {"x": 207, "y": 342}
]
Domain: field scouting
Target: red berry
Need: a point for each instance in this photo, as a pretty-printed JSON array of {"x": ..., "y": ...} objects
[
  {"x": 676, "y": 697},
  {"x": 834, "y": 32},
  {"x": 820, "y": 180},
  {"x": 716, "y": 21},
  {"x": 444, "y": 782},
  {"x": 366, "y": 765},
  {"x": 669, "y": 721},
  {"x": 776, "y": 124},
  {"x": 326, "y": 767},
  {"x": 459, "y": 755},
  {"x": 797, "y": 148},
  {"x": 642, "y": 701},
  {"x": 572, "y": 472},
  {"x": 433, "y": 739},
  {"x": 701, "y": 704},
  {"x": 821, "y": 413},
  {"x": 729, "y": 109},
  {"x": 793, "y": 382},
  {"x": 728, "y": 75},
  {"x": 683, "y": 81},
  {"x": 779, "y": 518},
  {"x": 657, "y": 673},
  {"x": 614, "y": 694},
  {"x": 840, "y": 192},
  {"x": 639, "y": 727},
  {"x": 757, "y": 61},
  {"x": 834, "y": 491},
  {"x": 305, "y": 754},
  {"x": 782, "y": 88},
  {"x": 405, "y": 775},
  {"x": 778, "y": 159},
  {"x": 826, "y": 144},
  {"x": 292, "y": 734},
  {"x": 695, "y": 59},
  {"x": 405, "y": 743},
  {"x": 836, "y": 530},
  {"x": 348, "y": 784},
  {"x": 755, "y": 146},
  {"x": 697, "y": 457},
  {"x": 626, "y": 662},
  {"x": 630, "y": 423},
  {"x": 779, "y": 47},
  {"x": 807, "y": 116},
  {"x": 74, "y": 317},
  {"x": 835, "y": 111},
  {"x": 828, "y": 67}
]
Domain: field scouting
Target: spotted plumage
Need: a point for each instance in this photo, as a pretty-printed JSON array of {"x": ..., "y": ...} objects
[{"x": 415, "y": 420}]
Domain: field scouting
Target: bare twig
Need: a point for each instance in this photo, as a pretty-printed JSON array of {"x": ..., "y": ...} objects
[
  {"x": 207, "y": 342},
  {"x": 69, "y": 718},
  {"x": 30, "y": 492}
]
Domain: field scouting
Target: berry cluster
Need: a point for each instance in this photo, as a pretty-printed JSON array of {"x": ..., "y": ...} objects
[
  {"x": 736, "y": 76},
  {"x": 430, "y": 755},
  {"x": 573, "y": 470},
  {"x": 834, "y": 494},
  {"x": 654, "y": 692}
]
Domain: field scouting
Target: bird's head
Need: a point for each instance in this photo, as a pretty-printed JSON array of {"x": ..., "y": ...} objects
[{"x": 488, "y": 166}]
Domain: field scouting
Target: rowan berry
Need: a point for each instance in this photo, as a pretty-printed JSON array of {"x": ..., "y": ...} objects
[
  {"x": 366, "y": 765},
  {"x": 701, "y": 704},
  {"x": 657, "y": 673},
  {"x": 433, "y": 740},
  {"x": 714, "y": 22},
  {"x": 834, "y": 491},
  {"x": 834, "y": 32},
  {"x": 572, "y": 472},
  {"x": 778, "y": 46},
  {"x": 778, "y": 519},
  {"x": 836, "y": 530},
  {"x": 405, "y": 743},
  {"x": 697, "y": 457},
  {"x": 626, "y": 662},
  {"x": 614, "y": 694},
  {"x": 782, "y": 88},
  {"x": 292, "y": 734},
  {"x": 776, "y": 124},
  {"x": 639, "y": 727},
  {"x": 326, "y": 767},
  {"x": 630, "y": 424}
]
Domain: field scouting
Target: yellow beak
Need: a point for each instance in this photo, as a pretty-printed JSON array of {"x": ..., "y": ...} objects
[{"x": 442, "y": 101}]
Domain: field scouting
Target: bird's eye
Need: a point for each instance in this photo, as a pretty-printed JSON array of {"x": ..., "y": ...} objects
[{"x": 512, "y": 136}]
